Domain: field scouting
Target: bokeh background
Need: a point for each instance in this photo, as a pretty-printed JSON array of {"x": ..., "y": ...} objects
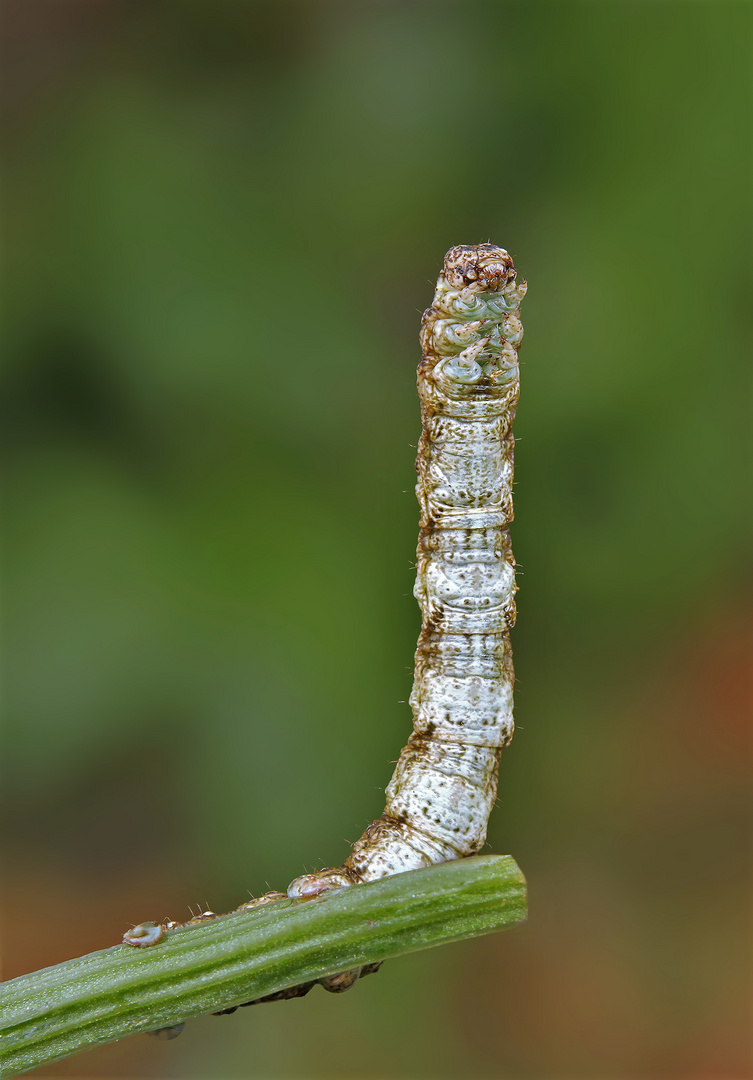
[{"x": 223, "y": 220}]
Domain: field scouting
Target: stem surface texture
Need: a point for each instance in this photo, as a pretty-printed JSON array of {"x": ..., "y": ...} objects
[{"x": 236, "y": 958}]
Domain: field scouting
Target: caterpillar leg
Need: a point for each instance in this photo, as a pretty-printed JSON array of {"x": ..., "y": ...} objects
[
  {"x": 307, "y": 886},
  {"x": 335, "y": 984}
]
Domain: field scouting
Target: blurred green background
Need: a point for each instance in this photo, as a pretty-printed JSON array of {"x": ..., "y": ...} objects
[{"x": 223, "y": 220}]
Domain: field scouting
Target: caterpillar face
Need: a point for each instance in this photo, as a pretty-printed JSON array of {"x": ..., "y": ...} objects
[{"x": 487, "y": 264}]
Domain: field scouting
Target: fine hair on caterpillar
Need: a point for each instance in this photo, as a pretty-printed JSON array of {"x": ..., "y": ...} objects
[{"x": 444, "y": 785}]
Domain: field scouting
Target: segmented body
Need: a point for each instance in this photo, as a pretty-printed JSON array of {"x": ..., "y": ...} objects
[{"x": 445, "y": 783}]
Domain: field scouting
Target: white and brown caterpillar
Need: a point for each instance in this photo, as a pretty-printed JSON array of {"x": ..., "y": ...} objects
[{"x": 445, "y": 782}]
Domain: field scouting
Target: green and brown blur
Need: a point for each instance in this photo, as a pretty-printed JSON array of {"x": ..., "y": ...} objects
[{"x": 223, "y": 222}]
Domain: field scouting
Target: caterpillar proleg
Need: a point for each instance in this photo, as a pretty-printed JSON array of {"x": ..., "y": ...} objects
[{"x": 444, "y": 786}]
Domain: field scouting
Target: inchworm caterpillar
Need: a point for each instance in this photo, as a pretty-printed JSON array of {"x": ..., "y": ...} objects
[{"x": 445, "y": 783}]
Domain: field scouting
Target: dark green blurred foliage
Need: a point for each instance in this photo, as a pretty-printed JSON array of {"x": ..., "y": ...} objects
[{"x": 223, "y": 222}]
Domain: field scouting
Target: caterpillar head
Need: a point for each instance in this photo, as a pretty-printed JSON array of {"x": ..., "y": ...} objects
[{"x": 489, "y": 265}]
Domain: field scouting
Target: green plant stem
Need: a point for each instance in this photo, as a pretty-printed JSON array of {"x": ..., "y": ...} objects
[{"x": 235, "y": 958}]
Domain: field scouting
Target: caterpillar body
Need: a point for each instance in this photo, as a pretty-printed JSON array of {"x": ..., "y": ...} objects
[{"x": 445, "y": 783}]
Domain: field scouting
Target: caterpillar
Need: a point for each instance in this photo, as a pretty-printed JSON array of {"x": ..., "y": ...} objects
[
  {"x": 440, "y": 797},
  {"x": 444, "y": 786}
]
